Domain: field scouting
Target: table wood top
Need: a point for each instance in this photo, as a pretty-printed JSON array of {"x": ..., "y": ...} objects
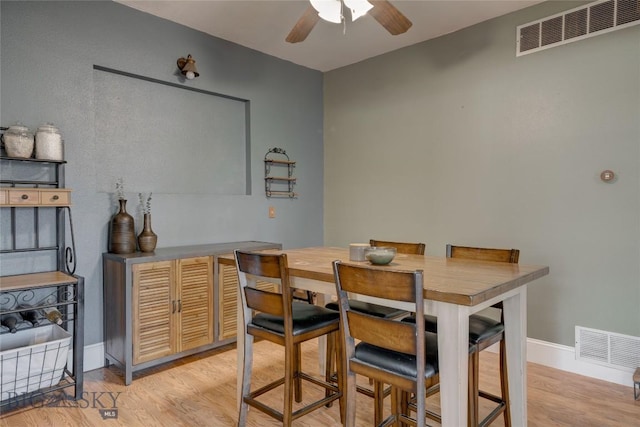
[{"x": 454, "y": 280}]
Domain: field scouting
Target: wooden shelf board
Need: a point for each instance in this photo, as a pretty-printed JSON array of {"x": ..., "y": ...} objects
[
  {"x": 279, "y": 178},
  {"x": 35, "y": 280},
  {"x": 282, "y": 162},
  {"x": 33, "y": 160}
]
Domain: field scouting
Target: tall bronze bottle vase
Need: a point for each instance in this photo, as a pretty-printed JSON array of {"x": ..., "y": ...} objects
[
  {"x": 123, "y": 235},
  {"x": 147, "y": 239}
]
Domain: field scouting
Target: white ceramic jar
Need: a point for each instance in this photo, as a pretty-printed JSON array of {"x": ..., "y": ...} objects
[
  {"x": 48, "y": 143},
  {"x": 18, "y": 141}
]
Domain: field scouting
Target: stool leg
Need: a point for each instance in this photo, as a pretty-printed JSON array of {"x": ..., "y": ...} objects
[
  {"x": 504, "y": 383},
  {"x": 378, "y": 402},
  {"x": 395, "y": 404},
  {"x": 296, "y": 375},
  {"x": 404, "y": 406},
  {"x": 289, "y": 373},
  {"x": 246, "y": 379},
  {"x": 350, "y": 391},
  {"x": 473, "y": 391},
  {"x": 328, "y": 362},
  {"x": 340, "y": 368}
]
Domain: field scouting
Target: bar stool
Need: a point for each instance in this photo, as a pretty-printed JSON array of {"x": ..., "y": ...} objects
[
  {"x": 391, "y": 352},
  {"x": 379, "y": 392},
  {"x": 282, "y": 321},
  {"x": 483, "y": 333}
]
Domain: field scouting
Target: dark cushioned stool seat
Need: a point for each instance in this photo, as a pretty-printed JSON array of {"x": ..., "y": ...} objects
[
  {"x": 400, "y": 363},
  {"x": 370, "y": 309},
  {"x": 305, "y": 316},
  {"x": 481, "y": 328}
]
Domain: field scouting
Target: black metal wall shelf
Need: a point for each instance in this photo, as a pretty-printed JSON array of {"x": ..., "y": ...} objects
[{"x": 279, "y": 185}]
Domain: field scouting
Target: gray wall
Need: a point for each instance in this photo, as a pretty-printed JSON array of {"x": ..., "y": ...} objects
[
  {"x": 456, "y": 140},
  {"x": 48, "y": 50},
  {"x": 474, "y": 146}
]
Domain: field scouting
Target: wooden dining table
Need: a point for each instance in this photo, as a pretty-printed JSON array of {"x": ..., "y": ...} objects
[{"x": 453, "y": 289}]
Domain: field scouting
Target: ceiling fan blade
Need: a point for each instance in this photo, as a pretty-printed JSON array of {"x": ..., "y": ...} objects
[
  {"x": 303, "y": 27},
  {"x": 389, "y": 17}
]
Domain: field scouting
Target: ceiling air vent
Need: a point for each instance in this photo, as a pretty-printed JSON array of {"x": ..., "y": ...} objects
[{"x": 593, "y": 19}]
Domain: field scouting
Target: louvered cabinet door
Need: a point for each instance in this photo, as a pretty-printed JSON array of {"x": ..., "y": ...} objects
[
  {"x": 153, "y": 317},
  {"x": 195, "y": 302},
  {"x": 228, "y": 300}
]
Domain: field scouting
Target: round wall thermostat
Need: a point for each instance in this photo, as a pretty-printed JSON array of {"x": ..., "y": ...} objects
[{"x": 607, "y": 176}]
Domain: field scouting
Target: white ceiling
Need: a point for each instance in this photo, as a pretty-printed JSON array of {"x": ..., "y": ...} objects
[{"x": 263, "y": 25}]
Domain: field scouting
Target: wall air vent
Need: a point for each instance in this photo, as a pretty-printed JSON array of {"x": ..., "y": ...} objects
[
  {"x": 607, "y": 348},
  {"x": 593, "y": 19}
]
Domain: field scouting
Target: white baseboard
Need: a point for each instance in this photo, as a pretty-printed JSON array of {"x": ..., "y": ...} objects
[
  {"x": 563, "y": 357},
  {"x": 93, "y": 356},
  {"x": 542, "y": 352}
]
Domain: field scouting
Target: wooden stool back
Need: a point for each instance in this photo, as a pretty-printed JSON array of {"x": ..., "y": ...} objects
[{"x": 401, "y": 247}]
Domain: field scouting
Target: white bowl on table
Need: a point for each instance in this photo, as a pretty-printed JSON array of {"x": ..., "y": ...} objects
[{"x": 380, "y": 255}]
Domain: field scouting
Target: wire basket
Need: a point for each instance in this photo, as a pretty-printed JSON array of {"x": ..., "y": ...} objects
[{"x": 32, "y": 359}]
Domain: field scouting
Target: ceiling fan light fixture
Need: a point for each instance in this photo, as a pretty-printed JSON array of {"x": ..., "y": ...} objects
[
  {"x": 358, "y": 8},
  {"x": 382, "y": 11},
  {"x": 329, "y": 10}
]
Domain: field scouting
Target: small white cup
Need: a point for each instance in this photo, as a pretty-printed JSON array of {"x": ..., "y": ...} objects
[{"x": 356, "y": 251}]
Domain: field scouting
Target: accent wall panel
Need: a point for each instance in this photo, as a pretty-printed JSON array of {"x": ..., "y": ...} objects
[{"x": 168, "y": 138}]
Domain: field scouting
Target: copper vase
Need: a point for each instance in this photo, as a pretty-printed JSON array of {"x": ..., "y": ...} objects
[
  {"x": 122, "y": 237},
  {"x": 147, "y": 239}
]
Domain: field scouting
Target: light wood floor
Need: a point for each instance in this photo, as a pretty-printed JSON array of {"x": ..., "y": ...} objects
[{"x": 200, "y": 391}]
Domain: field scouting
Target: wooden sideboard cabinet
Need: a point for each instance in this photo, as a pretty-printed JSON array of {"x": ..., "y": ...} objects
[
  {"x": 172, "y": 307},
  {"x": 167, "y": 304}
]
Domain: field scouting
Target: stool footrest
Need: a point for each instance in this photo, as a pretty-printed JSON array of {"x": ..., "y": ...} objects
[
  {"x": 332, "y": 395},
  {"x": 363, "y": 390},
  {"x": 502, "y": 406}
]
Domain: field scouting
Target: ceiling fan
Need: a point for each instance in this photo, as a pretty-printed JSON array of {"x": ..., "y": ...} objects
[{"x": 331, "y": 10}]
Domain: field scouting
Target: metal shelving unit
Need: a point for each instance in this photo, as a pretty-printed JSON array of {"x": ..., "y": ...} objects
[{"x": 32, "y": 197}]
